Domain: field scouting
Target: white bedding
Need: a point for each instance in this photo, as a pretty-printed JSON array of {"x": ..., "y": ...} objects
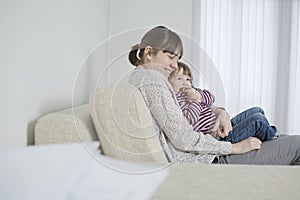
[
  {"x": 78, "y": 171},
  {"x": 74, "y": 171}
]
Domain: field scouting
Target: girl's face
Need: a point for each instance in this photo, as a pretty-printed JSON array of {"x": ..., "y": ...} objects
[
  {"x": 180, "y": 81},
  {"x": 163, "y": 61}
]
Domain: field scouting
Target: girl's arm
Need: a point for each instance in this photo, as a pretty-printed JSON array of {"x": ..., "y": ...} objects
[
  {"x": 207, "y": 97},
  {"x": 192, "y": 110}
]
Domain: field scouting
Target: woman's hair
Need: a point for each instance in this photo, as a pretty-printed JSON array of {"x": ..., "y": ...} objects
[
  {"x": 159, "y": 38},
  {"x": 185, "y": 71}
]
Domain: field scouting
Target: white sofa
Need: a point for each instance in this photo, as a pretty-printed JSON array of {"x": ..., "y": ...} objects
[
  {"x": 118, "y": 116},
  {"x": 115, "y": 116},
  {"x": 65, "y": 126}
]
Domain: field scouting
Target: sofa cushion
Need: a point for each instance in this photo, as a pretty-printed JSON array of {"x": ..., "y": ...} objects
[
  {"x": 64, "y": 126},
  {"x": 124, "y": 125}
]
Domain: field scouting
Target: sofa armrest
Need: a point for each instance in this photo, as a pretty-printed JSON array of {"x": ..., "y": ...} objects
[{"x": 63, "y": 127}]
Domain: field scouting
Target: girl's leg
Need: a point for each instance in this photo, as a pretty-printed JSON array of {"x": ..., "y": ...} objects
[
  {"x": 245, "y": 114},
  {"x": 285, "y": 150},
  {"x": 256, "y": 125}
]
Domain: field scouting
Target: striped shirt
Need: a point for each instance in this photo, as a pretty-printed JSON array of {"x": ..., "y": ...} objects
[{"x": 198, "y": 114}]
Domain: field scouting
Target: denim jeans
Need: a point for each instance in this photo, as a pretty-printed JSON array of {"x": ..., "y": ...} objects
[{"x": 250, "y": 123}]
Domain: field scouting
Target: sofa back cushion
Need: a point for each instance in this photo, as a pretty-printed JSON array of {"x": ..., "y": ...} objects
[
  {"x": 65, "y": 126},
  {"x": 124, "y": 125}
]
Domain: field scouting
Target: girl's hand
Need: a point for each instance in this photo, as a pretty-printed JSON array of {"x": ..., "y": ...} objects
[
  {"x": 246, "y": 145},
  {"x": 192, "y": 94}
]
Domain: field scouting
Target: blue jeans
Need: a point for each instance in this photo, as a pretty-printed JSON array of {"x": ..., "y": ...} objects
[{"x": 250, "y": 123}]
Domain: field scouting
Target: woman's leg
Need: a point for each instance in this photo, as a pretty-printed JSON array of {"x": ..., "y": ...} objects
[{"x": 285, "y": 150}]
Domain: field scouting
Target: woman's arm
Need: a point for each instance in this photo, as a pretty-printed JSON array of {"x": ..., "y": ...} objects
[
  {"x": 223, "y": 122},
  {"x": 246, "y": 145},
  {"x": 168, "y": 115}
]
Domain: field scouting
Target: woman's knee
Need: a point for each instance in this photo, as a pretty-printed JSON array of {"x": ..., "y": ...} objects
[
  {"x": 290, "y": 143},
  {"x": 293, "y": 140}
]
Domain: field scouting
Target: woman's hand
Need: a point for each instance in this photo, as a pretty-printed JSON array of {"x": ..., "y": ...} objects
[
  {"x": 223, "y": 124},
  {"x": 246, "y": 145}
]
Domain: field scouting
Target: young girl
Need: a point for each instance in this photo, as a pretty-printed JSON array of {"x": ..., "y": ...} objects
[{"x": 196, "y": 107}]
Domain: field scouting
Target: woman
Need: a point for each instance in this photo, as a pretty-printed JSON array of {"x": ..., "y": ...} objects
[{"x": 156, "y": 56}]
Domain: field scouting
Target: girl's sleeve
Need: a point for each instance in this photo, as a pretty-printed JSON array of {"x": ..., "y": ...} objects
[
  {"x": 192, "y": 111},
  {"x": 207, "y": 97},
  {"x": 170, "y": 119}
]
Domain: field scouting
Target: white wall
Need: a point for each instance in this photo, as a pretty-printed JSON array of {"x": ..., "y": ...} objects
[
  {"x": 42, "y": 45},
  {"x": 130, "y": 19}
]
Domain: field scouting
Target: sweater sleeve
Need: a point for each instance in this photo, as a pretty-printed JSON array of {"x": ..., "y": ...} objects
[{"x": 168, "y": 115}]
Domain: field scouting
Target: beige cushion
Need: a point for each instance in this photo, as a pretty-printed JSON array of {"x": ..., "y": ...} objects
[
  {"x": 64, "y": 127},
  {"x": 124, "y": 125},
  {"x": 227, "y": 182}
]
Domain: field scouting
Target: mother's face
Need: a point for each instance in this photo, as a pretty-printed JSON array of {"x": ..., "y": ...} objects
[{"x": 162, "y": 61}]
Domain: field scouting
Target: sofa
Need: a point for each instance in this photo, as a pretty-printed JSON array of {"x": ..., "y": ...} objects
[{"x": 118, "y": 118}]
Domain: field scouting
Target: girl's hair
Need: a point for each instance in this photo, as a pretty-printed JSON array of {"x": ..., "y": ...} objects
[
  {"x": 159, "y": 38},
  {"x": 185, "y": 71}
]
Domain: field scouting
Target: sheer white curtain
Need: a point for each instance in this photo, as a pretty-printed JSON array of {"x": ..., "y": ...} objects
[{"x": 252, "y": 56}]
